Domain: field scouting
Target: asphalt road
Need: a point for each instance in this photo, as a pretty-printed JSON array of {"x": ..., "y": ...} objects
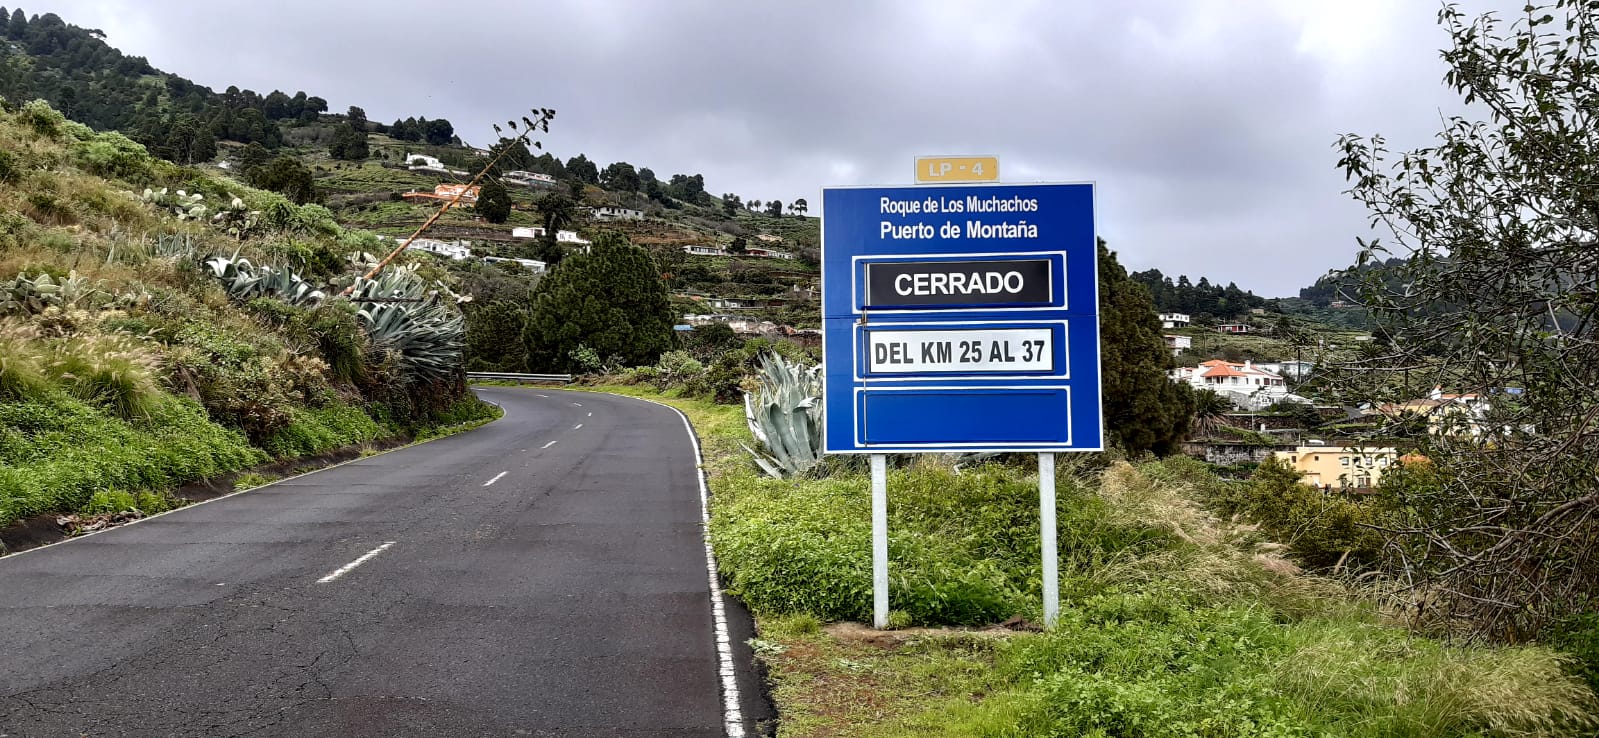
[{"x": 542, "y": 575}]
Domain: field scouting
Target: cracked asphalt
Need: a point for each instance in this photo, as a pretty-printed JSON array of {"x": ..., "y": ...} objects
[{"x": 567, "y": 598}]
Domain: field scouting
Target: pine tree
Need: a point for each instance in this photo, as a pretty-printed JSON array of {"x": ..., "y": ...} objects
[
  {"x": 1144, "y": 409},
  {"x": 493, "y": 202},
  {"x": 611, "y": 300}
]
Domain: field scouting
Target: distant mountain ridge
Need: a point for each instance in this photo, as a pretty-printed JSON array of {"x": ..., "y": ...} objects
[{"x": 92, "y": 82}]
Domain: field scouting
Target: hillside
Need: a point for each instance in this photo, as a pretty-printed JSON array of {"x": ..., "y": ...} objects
[
  {"x": 162, "y": 324},
  {"x": 361, "y": 170}
]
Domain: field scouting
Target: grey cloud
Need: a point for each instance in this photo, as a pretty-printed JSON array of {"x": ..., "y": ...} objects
[{"x": 1212, "y": 151}]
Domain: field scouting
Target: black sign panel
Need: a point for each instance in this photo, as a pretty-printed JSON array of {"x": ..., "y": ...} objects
[{"x": 991, "y": 283}]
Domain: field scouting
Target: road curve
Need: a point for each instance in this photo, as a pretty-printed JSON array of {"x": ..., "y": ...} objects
[{"x": 544, "y": 575}]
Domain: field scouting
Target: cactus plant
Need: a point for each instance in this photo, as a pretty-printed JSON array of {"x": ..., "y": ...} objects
[
  {"x": 31, "y": 296},
  {"x": 237, "y": 219},
  {"x": 786, "y": 415},
  {"x": 182, "y": 204}
]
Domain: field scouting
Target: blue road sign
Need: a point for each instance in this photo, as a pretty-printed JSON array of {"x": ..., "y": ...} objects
[{"x": 961, "y": 318}]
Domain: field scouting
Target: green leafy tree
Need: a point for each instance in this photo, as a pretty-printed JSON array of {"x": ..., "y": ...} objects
[
  {"x": 252, "y": 156},
  {"x": 349, "y": 143},
  {"x": 558, "y": 211},
  {"x": 774, "y": 208},
  {"x": 581, "y": 169},
  {"x": 611, "y": 300},
  {"x": 621, "y": 176},
  {"x": 494, "y": 337},
  {"x": 1144, "y": 409},
  {"x": 800, "y": 206},
  {"x": 493, "y": 202},
  {"x": 739, "y": 245},
  {"x": 287, "y": 176},
  {"x": 1497, "y": 224}
]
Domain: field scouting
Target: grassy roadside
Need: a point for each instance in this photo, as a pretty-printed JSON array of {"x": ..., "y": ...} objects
[{"x": 1173, "y": 622}]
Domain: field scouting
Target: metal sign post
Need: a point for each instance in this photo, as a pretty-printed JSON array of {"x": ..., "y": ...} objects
[
  {"x": 961, "y": 318},
  {"x": 879, "y": 541},
  {"x": 1046, "y": 537}
]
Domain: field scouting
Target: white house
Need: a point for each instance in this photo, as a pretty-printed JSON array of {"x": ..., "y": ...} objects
[
  {"x": 1174, "y": 320},
  {"x": 612, "y": 212},
  {"x": 528, "y": 179},
  {"x": 767, "y": 253},
  {"x": 539, "y": 231},
  {"x": 697, "y": 250},
  {"x": 537, "y": 267},
  {"x": 423, "y": 161},
  {"x": 456, "y": 251},
  {"x": 1245, "y": 384},
  {"x": 1178, "y": 344}
]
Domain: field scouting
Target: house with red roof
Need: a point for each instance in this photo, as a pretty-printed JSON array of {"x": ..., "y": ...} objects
[{"x": 1245, "y": 384}]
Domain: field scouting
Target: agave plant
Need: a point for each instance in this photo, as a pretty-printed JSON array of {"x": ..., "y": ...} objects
[
  {"x": 418, "y": 321},
  {"x": 785, "y": 414},
  {"x": 245, "y": 281}
]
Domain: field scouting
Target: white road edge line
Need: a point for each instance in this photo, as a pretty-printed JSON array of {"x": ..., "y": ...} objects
[
  {"x": 575, "y": 427},
  {"x": 551, "y": 443},
  {"x": 732, "y": 712},
  {"x": 495, "y": 479},
  {"x": 341, "y": 571},
  {"x": 192, "y": 505}
]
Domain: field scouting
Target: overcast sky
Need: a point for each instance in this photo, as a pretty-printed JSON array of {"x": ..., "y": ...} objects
[{"x": 1207, "y": 124}]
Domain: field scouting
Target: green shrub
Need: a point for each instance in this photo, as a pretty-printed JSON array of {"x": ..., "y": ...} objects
[
  {"x": 43, "y": 119},
  {"x": 112, "y": 154},
  {"x": 1578, "y": 637},
  {"x": 312, "y": 432},
  {"x": 56, "y": 451},
  {"x": 10, "y": 169}
]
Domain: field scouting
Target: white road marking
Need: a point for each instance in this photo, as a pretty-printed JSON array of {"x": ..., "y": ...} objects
[
  {"x": 551, "y": 443},
  {"x": 577, "y": 404},
  {"x": 495, "y": 479},
  {"x": 348, "y": 567},
  {"x": 575, "y": 427},
  {"x": 591, "y": 415},
  {"x": 545, "y": 396},
  {"x": 732, "y": 712}
]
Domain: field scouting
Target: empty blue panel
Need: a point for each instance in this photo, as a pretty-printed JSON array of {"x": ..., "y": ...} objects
[{"x": 966, "y": 416}]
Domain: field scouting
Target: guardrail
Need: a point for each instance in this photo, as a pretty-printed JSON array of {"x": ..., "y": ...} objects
[{"x": 512, "y": 377}]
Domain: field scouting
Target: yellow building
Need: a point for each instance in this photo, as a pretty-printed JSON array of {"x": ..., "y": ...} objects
[{"x": 1341, "y": 467}]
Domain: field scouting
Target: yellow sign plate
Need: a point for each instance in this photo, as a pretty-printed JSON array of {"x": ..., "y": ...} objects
[{"x": 957, "y": 168}]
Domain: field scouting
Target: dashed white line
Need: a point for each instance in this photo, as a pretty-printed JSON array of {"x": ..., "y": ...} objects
[
  {"x": 495, "y": 479},
  {"x": 545, "y": 396},
  {"x": 591, "y": 415},
  {"x": 577, "y": 404},
  {"x": 347, "y": 567},
  {"x": 575, "y": 427},
  {"x": 551, "y": 443}
]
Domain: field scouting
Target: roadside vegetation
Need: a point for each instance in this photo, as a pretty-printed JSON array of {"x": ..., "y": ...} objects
[
  {"x": 161, "y": 325},
  {"x": 1174, "y": 621}
]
